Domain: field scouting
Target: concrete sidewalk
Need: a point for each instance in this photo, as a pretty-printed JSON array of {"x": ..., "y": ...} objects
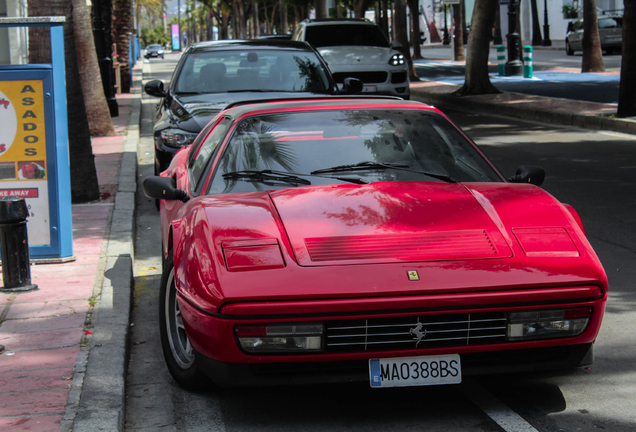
[
  {"x": 64, "y": 363},
  {"x": 64, "y": 366}
]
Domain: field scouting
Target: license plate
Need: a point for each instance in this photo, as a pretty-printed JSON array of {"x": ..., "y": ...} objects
[
  {"x": 415, "y": 371},
  {"x": 369, "y": 89}
]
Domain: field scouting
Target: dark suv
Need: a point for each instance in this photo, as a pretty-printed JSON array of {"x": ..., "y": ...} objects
[{"x": 211, "y": 75}]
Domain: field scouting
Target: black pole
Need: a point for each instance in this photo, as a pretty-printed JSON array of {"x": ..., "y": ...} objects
[
  {"x": 446, "y": 40},
  {"x": 514, "y": 66},
  {"x": 14, "y": 245},
  {"x": 546, "y": 26},
  {"x": 179, "y": 23}
]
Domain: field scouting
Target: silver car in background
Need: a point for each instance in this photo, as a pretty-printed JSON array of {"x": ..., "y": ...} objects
[
  {"x": 358, "y": 48},
  {"x": 610, "y": 30}
]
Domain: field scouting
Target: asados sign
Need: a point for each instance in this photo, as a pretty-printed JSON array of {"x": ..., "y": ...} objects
[{"x": 23, "y": 159}]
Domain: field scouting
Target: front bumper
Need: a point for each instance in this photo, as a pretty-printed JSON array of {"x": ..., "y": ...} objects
[
  {"x": 392, "y": 82},
  {"x": 511, "y": 361},
  {"x": 213, "y": 337}
]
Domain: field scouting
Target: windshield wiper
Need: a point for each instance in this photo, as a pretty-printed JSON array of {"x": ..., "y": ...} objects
[
  {"x": 285, "y": 176},
  {"x": 265, "y": 175},
  {"x": 375, "y": 165},
  {"x": 359, "y": 166}
]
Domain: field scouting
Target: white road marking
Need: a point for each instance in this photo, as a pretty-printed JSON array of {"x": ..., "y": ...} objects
[{"x": 506, "y": 418}]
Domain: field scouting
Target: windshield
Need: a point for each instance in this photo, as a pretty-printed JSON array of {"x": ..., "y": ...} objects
[
  {"x": 395, "y": 145},
  {"x": 262, "y": 70},
  {"x": 345, "y": 35},
  {"x": 153, "y": 47}
]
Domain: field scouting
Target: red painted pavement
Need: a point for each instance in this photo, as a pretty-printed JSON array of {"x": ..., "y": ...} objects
[{"x": 43, "y": 330}]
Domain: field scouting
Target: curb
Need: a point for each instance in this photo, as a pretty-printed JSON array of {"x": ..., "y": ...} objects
[
  {"x": 534, "y": 108},
  {"x": 99, "y": 394}
]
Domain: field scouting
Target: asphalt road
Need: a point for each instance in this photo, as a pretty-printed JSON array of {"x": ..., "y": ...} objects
[{"x": 593, "y": 171}]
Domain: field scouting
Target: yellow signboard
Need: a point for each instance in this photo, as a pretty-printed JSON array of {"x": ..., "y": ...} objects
[{"x": 23, "y": 167}]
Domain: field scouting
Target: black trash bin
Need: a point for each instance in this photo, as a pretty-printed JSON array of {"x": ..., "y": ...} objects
[{"x": 14, "y": 245}]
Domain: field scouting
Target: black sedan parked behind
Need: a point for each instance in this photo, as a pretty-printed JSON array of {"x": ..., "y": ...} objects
[{"x": 211, "y": 75}]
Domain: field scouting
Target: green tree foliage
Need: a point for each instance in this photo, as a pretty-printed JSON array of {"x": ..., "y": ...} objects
[{"x": 157, "y": 35}]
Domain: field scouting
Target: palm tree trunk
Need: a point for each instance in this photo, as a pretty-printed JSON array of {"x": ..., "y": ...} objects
[
  {"x": 415, "y": 28},
  {"x": 122, "y": 33},
  {"x": 592, "y": 53},
  {"x": 257, "y": 25},
  {"x": 84, "y": 185},
  {"x": 458, "y": 14},
  {"x": 99, "y": 121},
  {"x": 403, "y": 37},
  {"x": 477, "y": 79}
]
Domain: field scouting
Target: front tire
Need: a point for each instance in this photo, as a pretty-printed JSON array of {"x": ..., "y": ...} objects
[
  {"x": 177, "y": 350},
  {"x": 568, "y": 48}
]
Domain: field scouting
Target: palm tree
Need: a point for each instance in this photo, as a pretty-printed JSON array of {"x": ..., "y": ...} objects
[
  {"x": 122, "y": 30},
  {"x": 592, "y": 54},
  {"x": 477, "y": 80},
  {"x": 99, "y": 120},
  {"x": 403, "y": 37}
]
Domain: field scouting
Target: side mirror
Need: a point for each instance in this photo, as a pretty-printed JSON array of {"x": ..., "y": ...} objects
[
  {"x": 163, "y": 188},
  {"x": 352, "y": 86},
  {"x": 396, "y": 45},
  {"x": 528, "y": 174},
  {"x": 155, "y": 88}
]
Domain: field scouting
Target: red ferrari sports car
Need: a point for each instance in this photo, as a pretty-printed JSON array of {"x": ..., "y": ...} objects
[{"x": 364, "y": 239}]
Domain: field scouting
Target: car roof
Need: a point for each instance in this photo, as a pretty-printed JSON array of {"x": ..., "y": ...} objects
[
  {"x": 252, "y": 44},
  {"x": 338, "y": 21},
  {"x": 238, "y": 109}
]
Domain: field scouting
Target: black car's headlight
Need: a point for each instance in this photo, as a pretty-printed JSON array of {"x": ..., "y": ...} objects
[
  {"x": 396, "y": 60},
  {"x": 177, "y": 137}
]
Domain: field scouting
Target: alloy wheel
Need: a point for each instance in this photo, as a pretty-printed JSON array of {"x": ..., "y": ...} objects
[{"x": 178, "y": 339}]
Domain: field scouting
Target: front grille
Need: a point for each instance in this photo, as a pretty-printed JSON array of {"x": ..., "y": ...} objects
[
  {"x": 365, "y": 77},
  {"x": 398, "y": 77},
  {"x": 426, "y": 331}
]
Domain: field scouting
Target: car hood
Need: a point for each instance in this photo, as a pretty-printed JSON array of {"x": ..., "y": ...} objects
[
  {"x": 387, "y": 222},
  {"x": 192, "y": 112},
  {"x": 346, "y": 241},
  {"x": 356, "y": 55}
]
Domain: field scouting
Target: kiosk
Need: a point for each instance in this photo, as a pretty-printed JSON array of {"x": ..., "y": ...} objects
[{"x": 34, "y": 158}]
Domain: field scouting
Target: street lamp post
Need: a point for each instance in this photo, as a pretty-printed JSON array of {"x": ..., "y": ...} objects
[
  {"x": 513, "y": 66},
  {"x": 179, "y": 24},
  {"x": 546, "y": 26}
]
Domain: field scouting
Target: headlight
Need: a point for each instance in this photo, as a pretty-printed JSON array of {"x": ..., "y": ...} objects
[
  {"x": 280, "y": 338},
  {"x": 396, "y": 60},
  {"x": 551, "y": 323},
  {"x": 160, "y": 52},
  {"x": 177, "y": 137}
]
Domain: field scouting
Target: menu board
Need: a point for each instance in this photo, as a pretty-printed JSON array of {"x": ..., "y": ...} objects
[{"x": 23, "y": 164}]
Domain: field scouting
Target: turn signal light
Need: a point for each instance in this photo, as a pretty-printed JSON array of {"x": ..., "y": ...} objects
[
  {"x": 546, "y": 324},
  {"x": 280, "y": 338}
]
